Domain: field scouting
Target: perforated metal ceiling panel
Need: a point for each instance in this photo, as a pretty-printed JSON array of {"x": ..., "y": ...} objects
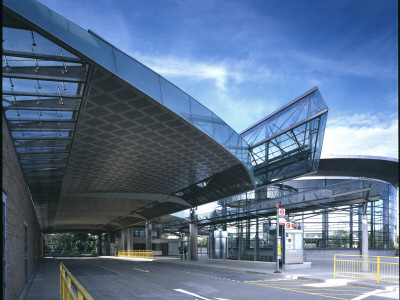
[
  {"x": 126, "y": 142},
  {"x": 124, "y": 156}
]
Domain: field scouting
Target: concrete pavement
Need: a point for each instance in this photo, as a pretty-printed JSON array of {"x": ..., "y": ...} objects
[
  {"x": 321, "y": 270},
  {"x": 45, "y": 285}
]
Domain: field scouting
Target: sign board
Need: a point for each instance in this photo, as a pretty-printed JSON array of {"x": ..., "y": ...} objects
[
  {"x": 281, "y": 212},
  {"x": 282, "y": 221},
  {"x": 277, "y": 206},
  {"x": 287, "y": 225}
]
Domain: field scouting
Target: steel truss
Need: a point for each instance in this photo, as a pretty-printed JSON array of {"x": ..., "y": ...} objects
[{"x": 330, "y": 197}]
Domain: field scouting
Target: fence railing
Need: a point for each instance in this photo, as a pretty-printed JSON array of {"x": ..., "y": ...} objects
[
  {"x": 379, "y": 268},
  {"x": 70, "y": 288},
  {"x": 136, "y": 253}
]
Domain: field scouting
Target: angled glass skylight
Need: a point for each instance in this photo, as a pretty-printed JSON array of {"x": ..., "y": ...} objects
[
  {"x": 42, "y": 87},
  {"x": 288, "y": 142}
]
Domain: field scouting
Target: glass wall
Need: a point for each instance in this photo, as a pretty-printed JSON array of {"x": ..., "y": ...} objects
[
  {"x": 342, "y": 227},
  {"x": 331, "y": 228}
]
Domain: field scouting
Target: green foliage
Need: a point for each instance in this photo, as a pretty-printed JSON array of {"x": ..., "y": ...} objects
[
  {"x": 202, "y": 242},
  {"x": 339, "y": 238},
  {"x": 72, "y": 243}
]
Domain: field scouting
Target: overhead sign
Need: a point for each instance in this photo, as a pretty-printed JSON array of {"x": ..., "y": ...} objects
[{"x": 281, "y": 212}]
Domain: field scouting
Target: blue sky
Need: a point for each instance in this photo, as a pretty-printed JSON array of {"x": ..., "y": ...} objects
[{"x": 244, "y": 59}]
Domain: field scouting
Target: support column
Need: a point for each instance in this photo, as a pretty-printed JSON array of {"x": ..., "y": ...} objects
[
  {"x": 240, "y": 241},
  {"x": 351, "y": 226},
  {"x": 193, "y": 255},
  {"x": 325, "y": 229},
  {"x": 256, "y": 242},
  {"x": 224, "y": 212},
  {"x": 247, "y": 244},
  {"x": 100, "y": 244},
  {"x": 364, "y": 247},
  {"x": 129, "y": 239},
  {"x": 148, "y": 235},
  {"x": 108, "y": 247},
  {"x": 211, "y": 243},
  {"x": 123, "y": 240}
]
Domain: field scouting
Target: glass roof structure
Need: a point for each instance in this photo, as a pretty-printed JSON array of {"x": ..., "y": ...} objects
[
  {"x": 42, "y": 89},
  {"x": 288, "y": 142},
  {"x": 102, "y": 138},
  {"x": 251, "y": 206}
]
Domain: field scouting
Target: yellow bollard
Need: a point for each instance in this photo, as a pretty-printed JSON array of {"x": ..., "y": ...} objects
[
  {"x": 334, "y": 266},
  {"x": 377, "y": 269}
]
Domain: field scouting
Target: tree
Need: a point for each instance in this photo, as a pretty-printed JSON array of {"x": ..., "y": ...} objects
[
  {"x": 339, "y": 238},
  {"x": 78, "y": 242}
]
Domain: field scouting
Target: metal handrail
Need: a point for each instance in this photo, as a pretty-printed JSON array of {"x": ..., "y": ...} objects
[
  {"x": 365, "y": 269},
  {"x": 67, "y": 284}
]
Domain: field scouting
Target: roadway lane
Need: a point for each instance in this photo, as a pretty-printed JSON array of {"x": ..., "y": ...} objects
[{"x": 107, "y": 278}]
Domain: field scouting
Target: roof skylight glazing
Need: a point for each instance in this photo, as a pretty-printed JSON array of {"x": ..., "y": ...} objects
[{"x": 43, "y": 85}]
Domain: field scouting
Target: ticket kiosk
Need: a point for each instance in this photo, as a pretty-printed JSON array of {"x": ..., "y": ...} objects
[{"x": 293, "y": 246}]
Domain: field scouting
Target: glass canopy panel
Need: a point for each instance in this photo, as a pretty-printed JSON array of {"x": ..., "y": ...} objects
[
  {"x": 95, "y": 48},
  {"x": 296, "y": 112},
  {"x": 202, "y": 118},
  {"x": 31, "y": 42},
  {"x": 293, "y": 153},
  {"x": 137, "y": 74},
  {"x": 23, "y": 149},
  {"x": 40, "y": 115},
  {"x": 175, "y": 99},
  {"x": 38, "y": 134},
  {"x": 41, "y": 86}
]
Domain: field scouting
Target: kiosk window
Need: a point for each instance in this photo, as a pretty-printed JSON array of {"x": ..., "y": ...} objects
[{"x": 298, "y": 242}]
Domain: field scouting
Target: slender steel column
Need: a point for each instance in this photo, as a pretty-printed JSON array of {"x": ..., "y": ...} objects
[
  {"x": 148, "y": 235},
  {"x": 240, "y": 241},
  {"x": 364, "y": 248},
  {"x": 129, "y": 239},
  {"x": 256, "y": 242},
  {"x": 277, "y": 239},
  {"x": 123, "y": 243},
  {"x": 325, "y": 229},
  {"x": 211, "y": 243},
  {"x": 99, "y": 244},
  {"x": 193, "y": 255},
  {"x": 108, "y": 245}
]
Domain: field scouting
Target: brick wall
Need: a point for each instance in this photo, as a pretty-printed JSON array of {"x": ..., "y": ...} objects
[{"x": 19, "y": 211}]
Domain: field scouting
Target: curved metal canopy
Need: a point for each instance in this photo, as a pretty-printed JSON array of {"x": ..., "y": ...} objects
[
  {"x": 104, "y": 142},
  {"x": 382, "y": 168}
]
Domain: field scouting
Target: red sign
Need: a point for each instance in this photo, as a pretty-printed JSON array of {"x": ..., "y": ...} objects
[
  {"x": 287, "y": 225},
  {"x": 277, "y": 206},
  {"x": 281, "y": 211}
]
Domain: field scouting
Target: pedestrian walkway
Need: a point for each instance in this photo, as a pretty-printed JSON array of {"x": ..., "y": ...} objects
[
  {"x": 45, "y": 284},
  {"x": 321, "y": 270}
]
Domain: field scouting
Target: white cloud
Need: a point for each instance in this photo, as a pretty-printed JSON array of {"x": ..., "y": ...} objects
[
  {"x": 362, "y": 134},
  {"x": 222, "y": 73}
]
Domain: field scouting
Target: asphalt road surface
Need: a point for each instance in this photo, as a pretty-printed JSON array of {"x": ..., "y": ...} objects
[{"x": 106, "y": 278}]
